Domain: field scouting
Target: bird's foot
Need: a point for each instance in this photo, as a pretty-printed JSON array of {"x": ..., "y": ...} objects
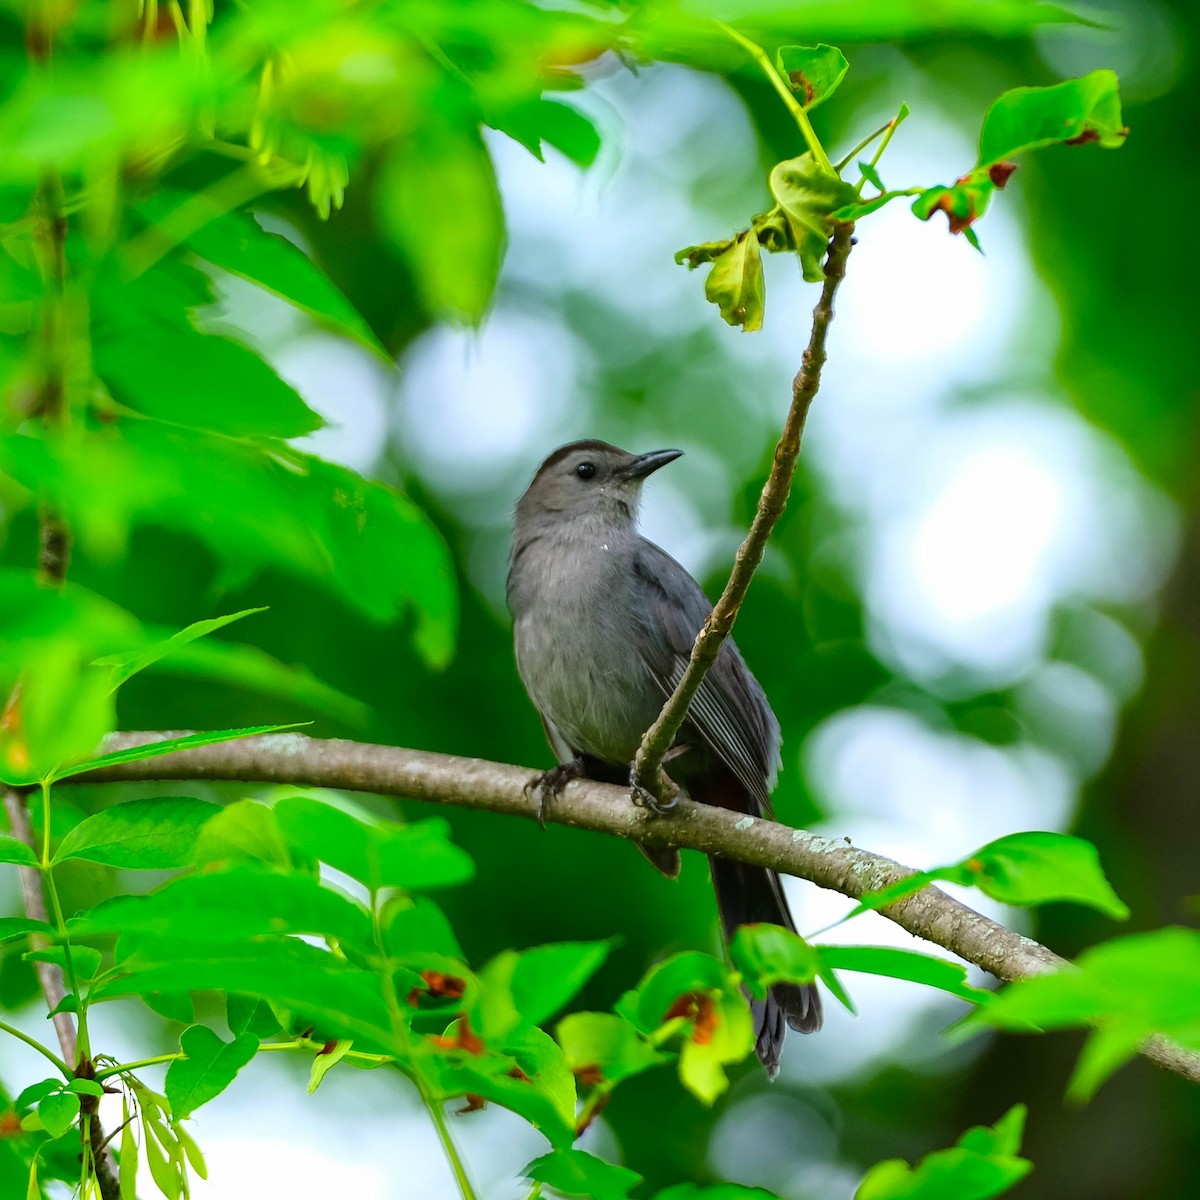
[
  {"x": 549, "y": 785},
  {"x": 643, "y": 797}
]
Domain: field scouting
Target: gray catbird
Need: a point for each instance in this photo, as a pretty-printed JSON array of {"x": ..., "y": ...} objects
[{"x": 604, "y": 623}]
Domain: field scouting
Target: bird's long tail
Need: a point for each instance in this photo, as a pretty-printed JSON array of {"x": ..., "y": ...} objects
[{"x": 747, "y": 895}]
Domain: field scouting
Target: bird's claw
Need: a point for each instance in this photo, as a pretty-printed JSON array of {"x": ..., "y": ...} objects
[
  {"x": 643, "y": 797},
  {"x": 549, "y": 785}
]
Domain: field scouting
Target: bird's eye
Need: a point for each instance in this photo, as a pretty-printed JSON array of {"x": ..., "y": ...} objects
[{"x": 585, "y": 470}]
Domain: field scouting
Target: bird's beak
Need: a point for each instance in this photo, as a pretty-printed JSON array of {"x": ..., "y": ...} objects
[{"x": 645, "y": 464}]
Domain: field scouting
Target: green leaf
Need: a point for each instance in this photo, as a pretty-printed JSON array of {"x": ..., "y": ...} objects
[
  {"x": 808, "y": 196},
  {"x": 177, "y": 374},
  {"x": 576, "y": 1173},
  {"x": 606, "y": 1045},
  {"x": 252, "y": 668},
  {"x": 256, "y": 507},
  {"x": 904, "y": 964},
  {"x": 209, "y": 1067},
  {"x": 1129, "y": 988},
  {"x": 169, "y": 746},
  {"x": 871, "y": 175},
  {"x": 128, "y": 1157},
  {"x": 58, "y": 1111},
  {"x": 36, "y": 1091},
  {"x": 152, "y": 834},
  {"x": 414, "y": 925},
  {"x": 1036, "y": 868},
  {"x": 722, "y": 1033},
  {"x": 16, "y": 927},
  {"x": 236, "y": 243},
  {"x": 541, "y": 1089},
  {"x": 324, "y": 1061},
  {"x": 547, "y": 977},
  {"x": 85, "y": 1087},
  {"x": 770, "y": 954},
  {"x": 438, "y": 201},
  {"x": 1081, "y": 110},
  {"x": 62, "y": 711},
  {"x": 735, "y": 283},
  {"x": 245, "y": 1014},
  {"x": 412, "y": 857},
  {"x": 338, "y": 999},
  {"x": 812, "y": 72},
  {"x": 245, "y": 831},
  {"x": 13, "y": 850},
  {"x": 125, "y": 666},
  {"x": 559, "y": 125},
  {"x": 664, "y": 984},
  {"x": 982, "y": 1165},
  {"x": 229, "y": 906}
]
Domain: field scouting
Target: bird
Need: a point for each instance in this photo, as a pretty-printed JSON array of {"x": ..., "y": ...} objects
[{"x": 603, "y": 625}]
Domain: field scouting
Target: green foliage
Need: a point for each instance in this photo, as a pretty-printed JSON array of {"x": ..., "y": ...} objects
[
  {"x": 1022, "y": 868},
  {"x": 207, "y": 1068},
  {"x": 812, "y": 72},
  {"x": 1125, "y": 989},
  {"x": 984, "y": 1163},
  {"x": 576, "y": 1173}
]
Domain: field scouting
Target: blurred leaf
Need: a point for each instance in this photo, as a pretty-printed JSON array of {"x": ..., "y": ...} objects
[
  {"x": 415, "y": 924},
  {"x": 246, "y": 1014},
  {"x": 200, "y": 380},
  {"x": 151, "y": 834},
  {"x": 813, "y": 72},
  {"x": 58, "y": 712},
  {"x": 722, "y": 1033},
  {"x": 251, "y": 667},
  {"x": 982, "y": 1165},
  {"x": 605, "y": 1045},
  {"x": 235, "y": 242},
  {"x": 13, "y": 850},
  {"x": 648, "y": 1005},
  {"x": 125, "y": 666},
  {"x": 58, "y": 1112},
  {"x": 562, "y": 126},
  {"x": 223, "y": 907},
  {"x": 255, "y": 507},
  {"x": 548, "y": 977},
  {"x": 413, "y": 857},
  {"x": 576, "y": 1173},
  {"x": 904, "y": 964},
  {"x": 169, "y": 746},
  {"x": 770, "y": 954},
  {"x": 438, "y": 201},
  {"x": 209, "y": 1067},
  {"x": 243, "y": 831},
  {"x": 1128, "y": 988}
]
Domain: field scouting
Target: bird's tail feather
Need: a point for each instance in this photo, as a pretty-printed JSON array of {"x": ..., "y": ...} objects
[{"x": 747, "y": 895}]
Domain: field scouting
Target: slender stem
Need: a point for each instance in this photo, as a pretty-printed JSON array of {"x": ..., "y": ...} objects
[
  {"x": 786, "y": 94},
  {"x": 647, "y": 769},
  {"x": 844, "y": 162},
  {"x": 297, "y": 1044},
  {"x": 34, "y": 1044},
  {"x": 60, "y": 927},
  {"x": 401, "y": 1031}
]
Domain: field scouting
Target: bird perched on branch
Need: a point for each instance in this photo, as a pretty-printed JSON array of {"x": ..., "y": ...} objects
[{"x": 604, "y": 623}]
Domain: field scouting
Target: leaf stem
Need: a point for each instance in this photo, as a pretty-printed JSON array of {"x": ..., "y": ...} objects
[
  {"x": 786, "y": 94},
  {"x": 34, "y": 1044},
  {"x": 401, "y": 1031}
]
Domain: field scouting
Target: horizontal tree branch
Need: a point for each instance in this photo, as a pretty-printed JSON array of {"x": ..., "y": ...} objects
[{"x": 291, "y": 758}]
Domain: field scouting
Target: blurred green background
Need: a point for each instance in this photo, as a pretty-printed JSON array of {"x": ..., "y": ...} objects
[{"x": 979, "y": 613}]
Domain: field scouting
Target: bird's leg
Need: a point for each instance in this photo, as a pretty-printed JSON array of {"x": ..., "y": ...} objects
[
  {"x": 643, "y": 797},
  {"x": 549, "y": 785}
]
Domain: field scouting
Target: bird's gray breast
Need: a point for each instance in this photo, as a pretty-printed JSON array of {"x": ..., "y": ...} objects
[{"x": 576, "y": 647}]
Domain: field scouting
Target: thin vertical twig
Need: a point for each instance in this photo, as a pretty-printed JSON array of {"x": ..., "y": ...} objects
[{"x": 647, "y": 769}]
